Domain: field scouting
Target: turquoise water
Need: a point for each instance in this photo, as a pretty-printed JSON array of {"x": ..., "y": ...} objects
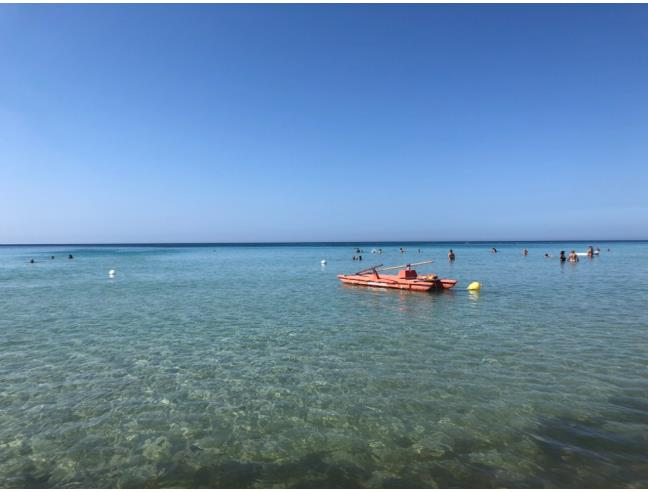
[{"x": 253, "y": 367}]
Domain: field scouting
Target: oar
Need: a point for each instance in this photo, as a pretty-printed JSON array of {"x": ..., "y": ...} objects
[
  {"x": 406, "y": 266},
  {"x": 367, "y": 270}
]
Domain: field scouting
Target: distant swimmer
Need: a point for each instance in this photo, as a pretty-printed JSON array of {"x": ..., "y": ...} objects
[
  {"x": 354, "y": 258},
  {"x": 573, "y": 257},
  {"x": 493, "y": 250},
  {"x": 418, "y": 250},
  {"x": 597, "y": 251},
  {"x": 451, "y": 255},
  {"x": 525, "y": 252},
  {"x": 590, "y": 252},
  {"x": 51, "y": 257},
  {"x": 402, "y": 250},
  {"x": 563, "y": 258},
  {"x": 32, "y": 261},
  {"x": 547, "y": 255},
  {"x": 70, "y": 257},
  {"x": 360, "y": 258}
]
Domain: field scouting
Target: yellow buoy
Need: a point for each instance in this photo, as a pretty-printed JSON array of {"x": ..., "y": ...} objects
[{"x": 474, "y": 286}]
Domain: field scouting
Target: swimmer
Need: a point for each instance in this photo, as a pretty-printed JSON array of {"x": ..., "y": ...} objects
[
  {"x": 590, "y": 252},
  {"x": 573, "y": 257},
  {"x": 525, "y": 252},
  {"x": 51, "y": 257},
  {"x": 451, "y": 255},
  {"x": 493, "y": 250},
  {"x": 563, "y": 258},
  {"x": 32, "y": 261},
  {"x": 547, "y": 255},
  {"x": 70, "y": 257}
]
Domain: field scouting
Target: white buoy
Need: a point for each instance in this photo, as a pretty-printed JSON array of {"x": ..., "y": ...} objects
[
  {"x": 112, "y": 273},
  {"x": 323, "y": 262}
]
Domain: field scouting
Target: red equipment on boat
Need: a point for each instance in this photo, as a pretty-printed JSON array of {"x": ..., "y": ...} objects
[{"x": 407, "y": 279}]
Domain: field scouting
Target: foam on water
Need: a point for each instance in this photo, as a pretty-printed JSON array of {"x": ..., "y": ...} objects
[{"x": 253, "y": 367}]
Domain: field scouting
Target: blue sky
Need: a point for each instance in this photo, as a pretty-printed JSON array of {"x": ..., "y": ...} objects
[{"x": 131, "y": 123}]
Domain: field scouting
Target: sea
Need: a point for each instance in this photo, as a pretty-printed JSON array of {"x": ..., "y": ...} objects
[{"x": 251, "y": 365}]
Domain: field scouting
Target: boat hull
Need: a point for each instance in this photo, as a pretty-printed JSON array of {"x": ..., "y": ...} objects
[{"x": 419, "y": 284}]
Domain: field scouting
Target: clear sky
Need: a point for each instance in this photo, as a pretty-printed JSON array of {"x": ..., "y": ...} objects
[{"x": 131, "y": 123}]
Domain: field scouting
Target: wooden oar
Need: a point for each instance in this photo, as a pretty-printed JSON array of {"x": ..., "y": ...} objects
[
  {"x": 406, "y": 266},
  {"x": 367, "y": 270}
]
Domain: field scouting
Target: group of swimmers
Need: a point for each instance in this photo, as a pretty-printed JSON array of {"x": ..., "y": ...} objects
[
  {"x": 358, "y": 257},
  {"x": 572, "y": 258},
  {"x": 378, "y": 251},
  {"x": 70, "y": 257},
  {"x": 403, "y": 250}
]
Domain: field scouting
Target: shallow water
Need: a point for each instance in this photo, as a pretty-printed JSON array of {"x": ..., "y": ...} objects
[{"x": 253, "y": 367}]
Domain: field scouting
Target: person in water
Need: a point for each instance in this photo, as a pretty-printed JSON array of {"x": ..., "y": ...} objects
[
  {"x": 51, "y": 257},
  {"x": 547, "y": 255},
  {"x": 525, "y": 252},
  {"x": 493, "y": 250},
  {"x": 32, "y": 261},
  {"x": 573, "y": 257},
  {"x": 70, "y": 257},
  {"x": 563, "y": 258},
  {"x": 590, "y": 252},
  {"x": 451, "y": 255},
  {"x": 360, "y": 258}
]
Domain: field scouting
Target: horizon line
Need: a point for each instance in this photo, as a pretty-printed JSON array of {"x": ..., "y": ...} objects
[{"x": 317, "y": 243}]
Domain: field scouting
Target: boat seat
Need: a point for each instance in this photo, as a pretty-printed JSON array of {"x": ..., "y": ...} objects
[{"x": 408, "y": 274}]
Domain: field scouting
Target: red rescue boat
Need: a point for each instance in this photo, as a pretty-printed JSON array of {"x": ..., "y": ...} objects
[{"x": 407, "y": 279}]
